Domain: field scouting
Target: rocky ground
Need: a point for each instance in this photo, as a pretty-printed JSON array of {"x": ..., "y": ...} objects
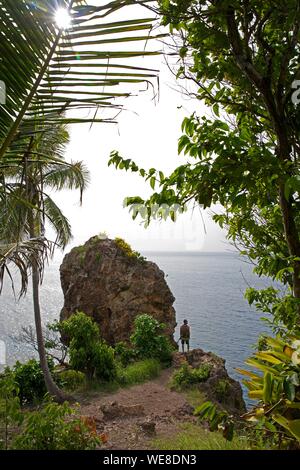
[{"x": 131, "y": 418}]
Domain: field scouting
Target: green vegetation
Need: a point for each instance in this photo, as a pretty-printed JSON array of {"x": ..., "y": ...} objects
[
  {"x": 194, "y": 396},
  {"x": 244, "y": 59},
  {"x": 278, "y": 390},
  {"x": 88, "y": 352},
  {"x": 222, "y": 389},
  {"x": 127, "y": 250},
  {"x": 33, "y": 119},
  {"x": 275, "y": 420},
  {"x": 186, "y": 376},
  {"x": 193, "y": 437},
  {"x": 124, "y": 354},
  {"x": 139, "y": 372},
  {"x": 10, "y": 409},
  {"x": 72, "y": 379},
  {"x": 50, "y": 427},
  {"x": 53, "y": 428},
  {"x": 148, "y": 340},
  {"x": 27, "y": 218},
  {"x": 80, "y": 250},
  {"x": 245, "y": 156},
  {"x": 29, "y": 380}
]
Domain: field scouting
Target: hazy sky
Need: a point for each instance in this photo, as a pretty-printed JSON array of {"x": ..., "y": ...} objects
[{"x": 148, "y": 133}]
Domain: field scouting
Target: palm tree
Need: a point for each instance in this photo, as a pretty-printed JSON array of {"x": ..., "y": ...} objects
[
  {"x": 50, "y": 74},
  {"x": 29, "y": 205}
]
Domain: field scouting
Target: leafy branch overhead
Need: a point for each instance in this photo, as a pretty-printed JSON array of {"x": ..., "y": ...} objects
[{"x": 242, "y": 58}]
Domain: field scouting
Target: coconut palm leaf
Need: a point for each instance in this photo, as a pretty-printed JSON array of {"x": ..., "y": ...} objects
[
  {"x": 22, "y": 255},
  {"x": 58, "y": 221},
  {"x": 34, "y": 166},
  {"x": 47, "y": 69},
  {"x": 72, "y": 175}
]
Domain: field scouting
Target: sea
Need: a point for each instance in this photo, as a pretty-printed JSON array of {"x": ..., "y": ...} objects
[{"x": 209, "y": 290}]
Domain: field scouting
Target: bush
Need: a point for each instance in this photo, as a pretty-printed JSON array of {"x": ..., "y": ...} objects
[
  {"x": 10, "y": 409},
  {"x": 148, "y": 340},
  {"x": 124, "y": 354},
  {"x": 104, "y": 361},
  {"x": 274, "y": 421},
  {"x": 88, "y": 352},
  {"x": 278, "y": 390},
  {"x": 222, "y": 389},
  {"x": 52, "y": 429},
  {"x": 127, "y": 250},
  {"x": 139, "y": 372},
  {"x": 187, "y": 375},
  {"x": 30, "y": 381},
  {"x": 72, "y": 379}
]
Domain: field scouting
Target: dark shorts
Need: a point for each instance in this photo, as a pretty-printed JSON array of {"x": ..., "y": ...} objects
[{"x": 186, "y": 341}]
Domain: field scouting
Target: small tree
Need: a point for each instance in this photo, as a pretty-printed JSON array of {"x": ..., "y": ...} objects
[
  {"x": 148, "y": 340},
  {"x": 88, "y": 352}
]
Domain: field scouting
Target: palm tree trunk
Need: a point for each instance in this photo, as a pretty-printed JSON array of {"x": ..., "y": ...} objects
[{"x": 52, "y": 388}]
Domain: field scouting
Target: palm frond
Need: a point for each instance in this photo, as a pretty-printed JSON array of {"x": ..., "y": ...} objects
[
  {"x": 21, "y": 256},
  {"x": 58, "y": 221},
  {"x": 74, "y": 175},
  {"x": 43, "y": 65}
]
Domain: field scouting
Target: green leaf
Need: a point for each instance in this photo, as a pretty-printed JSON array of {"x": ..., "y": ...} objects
[
  {"x": 268, "y": 387},
  {"x": 289, "y": 389},
  {"x": 294, "y": 427},
  {"x": 152, "y": 182}
]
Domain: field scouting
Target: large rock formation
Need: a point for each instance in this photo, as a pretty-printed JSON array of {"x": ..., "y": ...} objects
[{"x": 105, "y": 279}]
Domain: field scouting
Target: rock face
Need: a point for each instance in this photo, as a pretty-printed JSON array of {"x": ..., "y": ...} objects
[
  {"x": 108, "y": 281},
  {"x": 219, "y": 388}
]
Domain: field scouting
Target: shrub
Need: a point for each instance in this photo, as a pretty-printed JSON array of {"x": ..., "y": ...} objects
[
  {"x": 123, "y": 353},
  {"x": 88, "y": 352},
  {"x": 275, "y": 418},
  {"x": 72, "y": 379},
  {"x": 222, "y": 389},
  {"x": 30, "y": 381},
  {"x": 10, "y": 409},
  {"x": 278, "y": 389},
  {"x": 148, "y": 340},
  {"x": 104, "y": 361},
  {"x": 187, "y": 375},
  {"x": 139, "y": 372},
  {"x": 52, "y": 429},
  {"x": 127, "y": 250}
]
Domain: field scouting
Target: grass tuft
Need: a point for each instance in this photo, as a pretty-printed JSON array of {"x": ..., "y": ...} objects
[
  {"x": 139, "y": 372},
  {"x": 195, "y": 437}
]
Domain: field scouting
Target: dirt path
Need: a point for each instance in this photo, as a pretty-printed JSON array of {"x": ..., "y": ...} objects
[{"x": 151, "y": 402}]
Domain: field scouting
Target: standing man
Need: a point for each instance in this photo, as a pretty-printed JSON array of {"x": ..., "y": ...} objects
[{"x": 185, "y": 333}]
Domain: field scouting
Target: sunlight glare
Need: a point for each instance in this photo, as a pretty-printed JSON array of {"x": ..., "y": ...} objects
[{"x": 63, "y": 18}]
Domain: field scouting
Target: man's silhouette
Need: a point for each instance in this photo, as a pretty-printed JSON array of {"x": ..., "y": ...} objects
[{"x": 185, "y": 333}]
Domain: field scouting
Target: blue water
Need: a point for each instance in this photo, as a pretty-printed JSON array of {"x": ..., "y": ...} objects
[{"x": 209, "y": 290}]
